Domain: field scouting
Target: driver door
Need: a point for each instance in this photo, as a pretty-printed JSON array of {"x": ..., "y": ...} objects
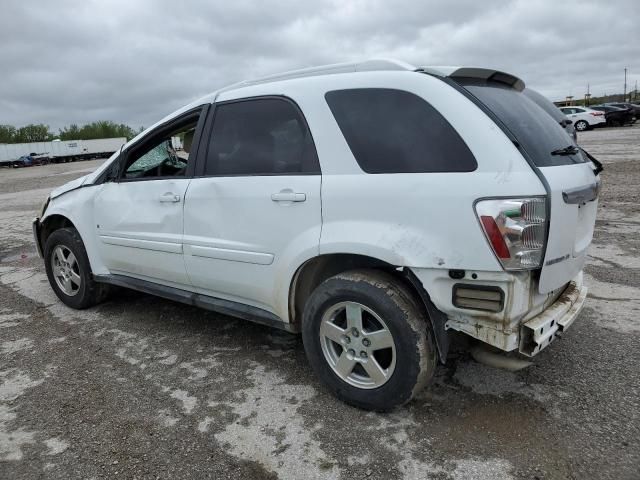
[{"x": 139, "y": 215}]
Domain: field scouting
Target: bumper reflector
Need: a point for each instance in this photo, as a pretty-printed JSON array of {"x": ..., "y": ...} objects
[{"x": 478, "y": 297}]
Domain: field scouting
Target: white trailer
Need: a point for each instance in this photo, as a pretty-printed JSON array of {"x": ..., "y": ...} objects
[{"x": 61, "y": 150}]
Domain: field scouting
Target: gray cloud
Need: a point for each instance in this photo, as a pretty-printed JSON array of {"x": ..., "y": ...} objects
[{"x": 135, "y": 61}]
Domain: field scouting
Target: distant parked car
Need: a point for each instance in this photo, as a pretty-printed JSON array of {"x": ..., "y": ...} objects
[
  {"x": 29, "y": 160},
  {"x": 615, "y": 115},
  {"x": 39, "y": 158},
  {"x": 544, "y": 103},
  {"x": 23, "y": 161},
  {"x": 584, "y": 118},
  {"x": 635, "y": 109}
]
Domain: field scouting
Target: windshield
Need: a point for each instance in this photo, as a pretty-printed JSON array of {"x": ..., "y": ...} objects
[{"x": 533, "y": 127}]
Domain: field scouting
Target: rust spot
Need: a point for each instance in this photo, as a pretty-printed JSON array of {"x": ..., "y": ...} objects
[{"x": 569, "y": 293}]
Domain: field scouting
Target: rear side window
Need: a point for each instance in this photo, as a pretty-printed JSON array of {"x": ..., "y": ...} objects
[
  {"x": 394, "y": 131},
  {"x": 536, "y": 131},
  {"x": 265, "y": 136}
]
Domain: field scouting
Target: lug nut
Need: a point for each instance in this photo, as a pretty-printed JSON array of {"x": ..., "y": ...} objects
[
  {"x": 355, "y": 332},
  {"x": 363, "y": 354},
  {"x": 352, "y": 352},
  {"x": 346, "y": 339},
  {"x": 366, "y": 342}
]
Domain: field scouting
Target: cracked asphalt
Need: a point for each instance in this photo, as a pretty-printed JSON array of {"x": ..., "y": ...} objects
[{"x": 141, "y": 387}]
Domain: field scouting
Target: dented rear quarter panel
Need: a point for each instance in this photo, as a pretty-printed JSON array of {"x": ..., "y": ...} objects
[{"x": 421, "y": 220}]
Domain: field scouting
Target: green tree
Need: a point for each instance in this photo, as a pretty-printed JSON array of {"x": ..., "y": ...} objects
[
  {"x": 99, "y": 129},
  {"x": 33, "y": 133},
  {"x": 72, "y": 132},
  {"x": 7, "y": 133},
  {"x": 90, "y": 131}
]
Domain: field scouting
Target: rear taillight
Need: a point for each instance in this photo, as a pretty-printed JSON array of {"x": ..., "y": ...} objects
[
  {"x": 596, "y": 114},
  {"x": 516, "y": 229}
]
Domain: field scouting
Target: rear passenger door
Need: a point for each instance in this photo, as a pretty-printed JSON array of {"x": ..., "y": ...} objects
[{"x": 253, "y": 210}]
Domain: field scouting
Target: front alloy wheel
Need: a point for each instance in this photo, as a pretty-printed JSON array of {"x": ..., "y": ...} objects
[
  {"x": 66, "y": 270},
  {"x": 69, "y": 271}
]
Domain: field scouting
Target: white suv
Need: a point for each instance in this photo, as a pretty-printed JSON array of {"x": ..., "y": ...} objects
[{"x": 374, "y": 207}]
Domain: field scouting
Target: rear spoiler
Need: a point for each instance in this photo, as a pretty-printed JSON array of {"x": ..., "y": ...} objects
[
  {"x": 485, "y": 74},
  {"x": 599, "y": 168}
]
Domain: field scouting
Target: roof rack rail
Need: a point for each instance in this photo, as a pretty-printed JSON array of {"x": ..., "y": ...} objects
[{"x": 362, "y": 66}]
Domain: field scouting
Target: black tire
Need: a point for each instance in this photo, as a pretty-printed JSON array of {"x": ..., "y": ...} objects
[
  {"x": 581, "y": 126},
  {"x": 406, "y": 321},
  {"x": 89, "y": 292}
]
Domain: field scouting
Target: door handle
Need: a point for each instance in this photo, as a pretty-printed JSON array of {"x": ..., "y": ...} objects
[
  {"x": 169, "y": 198},
  {"x": 288, "y": 196}
]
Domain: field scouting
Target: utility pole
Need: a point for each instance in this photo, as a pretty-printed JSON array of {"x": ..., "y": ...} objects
[
  {"x": 587, "y": 97},
  {"x": 624, "y": 94}
]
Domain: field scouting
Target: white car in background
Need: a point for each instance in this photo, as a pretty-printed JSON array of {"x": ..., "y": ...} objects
[{"x": 584, "y": 118}]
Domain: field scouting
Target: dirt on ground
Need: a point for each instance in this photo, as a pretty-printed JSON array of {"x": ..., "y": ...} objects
[{"x": 141, "y": 387}]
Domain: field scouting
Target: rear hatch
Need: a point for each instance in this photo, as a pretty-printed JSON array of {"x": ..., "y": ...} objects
[{"x": 569, "y": 176}]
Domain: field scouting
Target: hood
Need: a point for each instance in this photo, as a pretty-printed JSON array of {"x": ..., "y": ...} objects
[{"x": 67, "y": 187}]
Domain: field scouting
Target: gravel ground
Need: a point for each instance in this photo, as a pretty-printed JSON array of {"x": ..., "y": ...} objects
[{"x": 140, "y": 387}]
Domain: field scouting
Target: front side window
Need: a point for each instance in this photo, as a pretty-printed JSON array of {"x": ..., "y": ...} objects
[
  {"x": 264, "y": 136},
  {"x": 394, "y": 131},
  {"x": 163, "y": 155}
]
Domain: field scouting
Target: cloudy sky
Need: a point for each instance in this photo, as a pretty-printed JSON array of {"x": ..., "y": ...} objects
[{"x": 134, "y": 61}]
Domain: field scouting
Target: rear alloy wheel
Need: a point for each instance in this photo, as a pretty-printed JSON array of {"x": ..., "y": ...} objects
[
  {"x": 368, "y": 339},
  {"x": 581, "y": 125},
  {"x": 358, "y": 345}
]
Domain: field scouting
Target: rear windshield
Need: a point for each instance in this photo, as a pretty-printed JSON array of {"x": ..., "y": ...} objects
[
  {"x": 534, "y": 129},
  {"x": 545, "y": 104}
]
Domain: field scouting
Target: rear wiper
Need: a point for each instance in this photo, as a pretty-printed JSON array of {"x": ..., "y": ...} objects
[
  {"x": 570, "y": 150},
  {"x": 599, "y": 168}
]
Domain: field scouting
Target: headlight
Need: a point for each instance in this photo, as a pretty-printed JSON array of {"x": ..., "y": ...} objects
[{"x": 516, "y": 229}]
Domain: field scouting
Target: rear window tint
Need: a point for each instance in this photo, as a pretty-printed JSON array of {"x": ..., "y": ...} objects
[
  {"x": 546, "y": 105},
  {"x": 394, "y": 131},
  {"x": 536, "y": 131},
  {"x": 263, "y": 136}
]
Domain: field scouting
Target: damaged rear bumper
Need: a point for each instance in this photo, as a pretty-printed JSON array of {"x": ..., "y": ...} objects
[
  {"x": 538, "y": 332},
  {"x": 528, "y": 322}
]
